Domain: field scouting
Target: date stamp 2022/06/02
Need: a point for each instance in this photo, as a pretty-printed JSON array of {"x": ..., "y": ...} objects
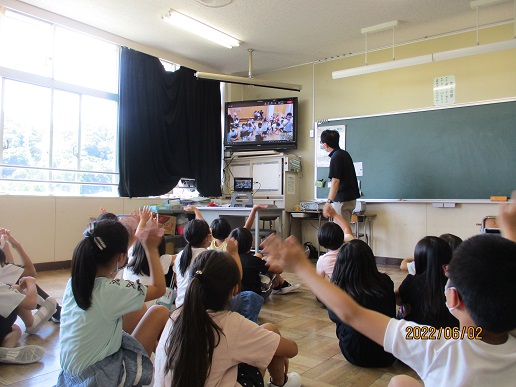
[{"x": 424, "y": 332}]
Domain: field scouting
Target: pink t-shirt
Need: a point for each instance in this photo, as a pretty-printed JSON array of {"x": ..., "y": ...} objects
[
  {"x": 326, "y": 263},
  {"x": 243, "y": 342}
]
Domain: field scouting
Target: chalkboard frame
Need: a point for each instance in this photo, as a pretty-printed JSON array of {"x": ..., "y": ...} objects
[{"x": 476, "y": 141}]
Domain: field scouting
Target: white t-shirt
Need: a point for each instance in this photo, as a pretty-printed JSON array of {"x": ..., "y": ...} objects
[
  {"x": 87, "y": 336},
  {"x": 10, "y": 298},
  {"x": 411, "y": 267},
  {"x": 182, "y": 282},
  {"x": 129, "y": 275},
  {"x": 243, "y": 341},
  {"x": 10, "y": 273},
  {"x": 453, "y": 362},
  {"x": 222, "y": 247}
]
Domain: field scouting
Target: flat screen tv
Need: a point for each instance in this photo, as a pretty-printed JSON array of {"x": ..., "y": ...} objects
[{"x": 267, "y": 124}]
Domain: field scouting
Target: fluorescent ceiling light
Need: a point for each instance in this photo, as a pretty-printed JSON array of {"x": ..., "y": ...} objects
[
  {"x": 248, "y": 81},
  {"x": 438, "y": 56},
  {"x": 475, "y": 50},
  {"x": 204, "y": 31},
  {"x": 395, "y": 64},
  {"x": 485, "y": 3}
]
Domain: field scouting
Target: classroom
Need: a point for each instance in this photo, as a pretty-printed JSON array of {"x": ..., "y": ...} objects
[{"x": 51, "y": 225}]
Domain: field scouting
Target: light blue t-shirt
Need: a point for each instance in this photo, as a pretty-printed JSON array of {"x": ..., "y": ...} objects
[{"x": 88, "y": 336}]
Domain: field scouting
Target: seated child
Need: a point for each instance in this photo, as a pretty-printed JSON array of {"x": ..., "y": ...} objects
[
  {"x": 94, "y": 349},
  {"x": 203, "y": 344},
  {"x": 331, "y": 236},
  {"x": 10, "y": 273},
  {"x": 252, "y": 265},
  {"x": 356, "y": 273},
  {"x": 198, "y": 238},
  {"x": 480, "y": 293},
  {"x": 421, "y": 295},
  {"x": 409, "y": 264},
  {"x": 20, "y": 300}
]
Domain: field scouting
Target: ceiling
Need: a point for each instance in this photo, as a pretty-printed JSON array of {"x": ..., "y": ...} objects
[{"x": 283, "y": 33}]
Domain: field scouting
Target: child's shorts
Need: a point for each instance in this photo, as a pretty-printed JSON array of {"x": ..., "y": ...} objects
[
  {"x": 6, "y": 324},
  {"x": 249, "y": 376},
  {"x": 130, "y": 366}
]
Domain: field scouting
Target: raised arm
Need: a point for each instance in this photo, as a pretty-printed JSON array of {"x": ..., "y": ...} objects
[
  {"x": 144, "y": 215},
  {"x": 232, "y": 248},
  {"x": 193, "y": 209},
  {"x": 151, "y": 238},
  {"x": 291, "y": 255},
  {"x": 329, "y": 212},
  {"x": 28, "y": 267},
  {"x": 508, "y": 218},
  {"x": 250, "y": 220}
]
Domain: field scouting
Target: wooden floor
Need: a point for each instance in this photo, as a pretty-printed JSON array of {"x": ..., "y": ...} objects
[{"x": 298, "y": 316}]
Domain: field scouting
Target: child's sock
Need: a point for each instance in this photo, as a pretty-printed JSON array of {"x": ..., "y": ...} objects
[{"x": 43, "y": 314}]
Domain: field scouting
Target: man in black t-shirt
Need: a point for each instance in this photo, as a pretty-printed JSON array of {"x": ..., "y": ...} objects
[{"x": 344, "y": 185}]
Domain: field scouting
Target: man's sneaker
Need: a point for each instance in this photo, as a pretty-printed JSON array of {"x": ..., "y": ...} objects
[
  {"x": 21, "y": 355},
  {"x": 291, "y": 380},
  {"x": 285, "y": 288},
  {"x": 42, "y": 315}
]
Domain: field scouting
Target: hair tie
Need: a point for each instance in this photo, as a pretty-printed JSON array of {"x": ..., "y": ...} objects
[
  {"x": 99, "y": 242},
  {"x": 198, "y": 275}
]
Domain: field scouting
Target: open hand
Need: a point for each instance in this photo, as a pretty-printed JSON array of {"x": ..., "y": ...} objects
[{"x": 288, "y": 254}]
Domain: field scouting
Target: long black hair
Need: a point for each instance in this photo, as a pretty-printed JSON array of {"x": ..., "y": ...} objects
[
  {"x": 244, "y": 239},
  {"x": 103, "y": 241},
  {"x": 356, "y": 273},
  {"x": 196, "y": 232},
  {"x": 195, "y": 335},
  {"x": 140, "y": 263},
  {"x": 436, "y": 253}
]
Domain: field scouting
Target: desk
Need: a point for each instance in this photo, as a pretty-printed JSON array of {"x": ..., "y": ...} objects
[
  {"x": 211, "y": 213},
  {"x": 362, "y": 224}
]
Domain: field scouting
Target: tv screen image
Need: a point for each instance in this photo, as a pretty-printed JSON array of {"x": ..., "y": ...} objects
[{"x": 269, "y": 124}]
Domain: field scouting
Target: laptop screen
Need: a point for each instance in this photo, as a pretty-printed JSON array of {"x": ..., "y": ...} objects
[{"x": 243, "y": 184}]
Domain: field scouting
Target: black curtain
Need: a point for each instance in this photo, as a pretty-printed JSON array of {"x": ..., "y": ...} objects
[{"x": 169, "y": 127}]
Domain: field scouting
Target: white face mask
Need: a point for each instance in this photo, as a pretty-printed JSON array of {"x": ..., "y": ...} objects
[
  {"x": 321, "y": 146},
  {"x": 446, "y": 287}
]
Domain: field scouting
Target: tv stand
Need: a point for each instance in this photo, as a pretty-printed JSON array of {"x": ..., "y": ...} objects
[{"x": 228, "y": 154}]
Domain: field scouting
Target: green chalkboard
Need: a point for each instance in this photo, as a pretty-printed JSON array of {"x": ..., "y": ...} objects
[{"x": 466, "y": 152}]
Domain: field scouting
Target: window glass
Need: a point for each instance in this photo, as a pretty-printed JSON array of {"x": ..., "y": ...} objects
[
  {"x": 25, "y": 44},
  {"x": 98, "y": 141},
  {"x": 26, "y": 132},
  {"x": 86, "y": 61}
]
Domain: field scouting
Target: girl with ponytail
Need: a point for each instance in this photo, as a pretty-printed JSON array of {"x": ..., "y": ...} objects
[
  {"x": 198, "y": 238},
  {"x": 94, "y": 348},
  {"x": 203, "y": 344}
]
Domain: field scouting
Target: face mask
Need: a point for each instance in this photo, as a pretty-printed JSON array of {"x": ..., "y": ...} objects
[{"x": 321, "y": 146}]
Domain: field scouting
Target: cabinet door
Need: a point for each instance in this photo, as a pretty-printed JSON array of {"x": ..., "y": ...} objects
[{"x": 267, "y": 177}]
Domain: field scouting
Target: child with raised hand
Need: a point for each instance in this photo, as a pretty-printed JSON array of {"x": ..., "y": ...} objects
[
  {"x": 203, "y": 344},
  {"x": 94, "y": 349},
  {"x": 480, "y": 293},
  {"x": 11, "y": 273},
  {"x": 19, "y": 300},
  {"x": 331, "y": 236}
]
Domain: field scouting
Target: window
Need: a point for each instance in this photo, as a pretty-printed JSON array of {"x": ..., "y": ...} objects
[{"x": 58, "y": 110}]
